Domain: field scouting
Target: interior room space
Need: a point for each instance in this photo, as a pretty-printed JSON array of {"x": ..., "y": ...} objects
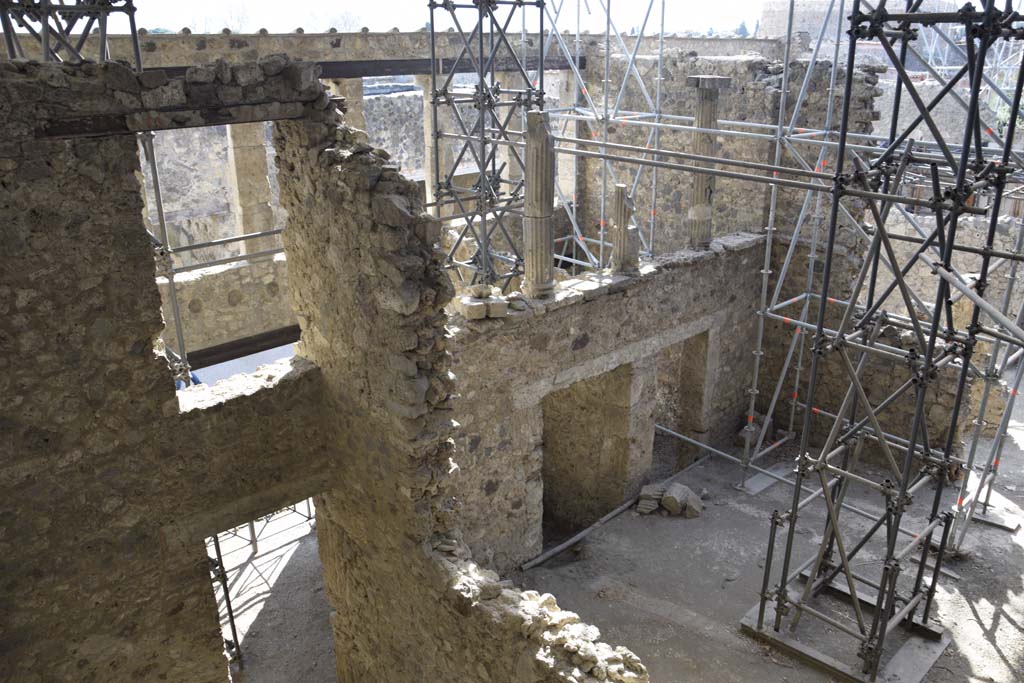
[{"x": 511, "y": 341}]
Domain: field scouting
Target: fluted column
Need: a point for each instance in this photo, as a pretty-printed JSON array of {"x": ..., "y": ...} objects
[
  {"x": 625, "y": 238},
  {"x": 699, "y": 212},
  {"x": 539, "y": 207}
]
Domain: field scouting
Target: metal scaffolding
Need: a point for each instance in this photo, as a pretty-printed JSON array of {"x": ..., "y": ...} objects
[
  {"x": 846, "y": 337},
  {"x": 935, "y": 185},
  {"x": 487, "y": 113},
  {"x": 61, "y": 29}
]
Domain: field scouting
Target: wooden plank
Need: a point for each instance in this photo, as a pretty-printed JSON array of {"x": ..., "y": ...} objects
[{"x": 246, "y": 346}]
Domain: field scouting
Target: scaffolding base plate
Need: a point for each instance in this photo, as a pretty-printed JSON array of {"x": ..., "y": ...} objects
[
  {"x": 1001, "y": 513},
  {"x": 909, "y": 664},
  {"x": 839, "y": 589},
  {"x": 1001, "y": 519},
  {"x": 759, "y": 482}
]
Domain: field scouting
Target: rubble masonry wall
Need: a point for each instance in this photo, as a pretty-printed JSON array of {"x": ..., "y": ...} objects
[
  {"x": 369, "y": 292},
  {"x": 507, "y": 366},
  {"x": 109, "y": 481}
]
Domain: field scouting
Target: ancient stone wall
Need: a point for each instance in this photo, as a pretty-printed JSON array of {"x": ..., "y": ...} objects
[
  {"x": 948, "y": 115},
  {"x": 109, "y": 481},
  {"x": 753, "y": 97},
  {"x": 395, "y": 122},
  {"x": 807, "y": 17},
  {"x": 162, "y": 50},
  {"x": 220, "y": 304},
  {"x": 506, "y": 367},
  {"x": 369, "y": 292}
]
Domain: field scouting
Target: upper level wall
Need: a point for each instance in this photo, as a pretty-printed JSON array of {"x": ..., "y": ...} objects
[
  {"x": 108, "y": 481},
  {"x": 183, "y": 49}
]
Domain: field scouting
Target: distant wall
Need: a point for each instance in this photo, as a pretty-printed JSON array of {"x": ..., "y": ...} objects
[{"x": 752, "y": 97}]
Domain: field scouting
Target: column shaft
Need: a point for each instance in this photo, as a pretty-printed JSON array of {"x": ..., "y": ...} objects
[
  {"x": 538, "y": 207},
  {"x": 625, "y": 239},
  {"x": 699, "y": 213}
]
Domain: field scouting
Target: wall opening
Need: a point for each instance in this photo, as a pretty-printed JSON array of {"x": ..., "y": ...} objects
[
  {"x": 598, "y": 435},
  {"x": 680, "y": 403},
  {"x": 268, "y": 583}
]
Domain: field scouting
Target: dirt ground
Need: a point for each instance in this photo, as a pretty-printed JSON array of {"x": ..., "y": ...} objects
[{"x": 277, "y": 593}]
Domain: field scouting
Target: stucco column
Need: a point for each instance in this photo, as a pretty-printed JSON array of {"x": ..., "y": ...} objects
[
  {"x": 539, "y": 207},
  {"x": 352, "y": 90},
  {"x": 699, "y": 213},
  {"x": 447, "y": 155},
  {"x": 247, "y": 156},
  {"x": 625, "y": 239}
]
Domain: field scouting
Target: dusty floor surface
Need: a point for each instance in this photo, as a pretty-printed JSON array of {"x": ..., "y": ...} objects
[
  {"x": 672, "y": 590},
  {"x": 281, "y": 612}
]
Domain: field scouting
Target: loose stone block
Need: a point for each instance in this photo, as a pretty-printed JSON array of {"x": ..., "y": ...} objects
[
  {"x": 247, "y": 74},
  {"x": 273, "y": 64},
  {"x": 497, "y": 307},
  {"x": 472, "y": 308},
  {"x": 200, "y": 74},
  {"x": 679, "y": 499}
]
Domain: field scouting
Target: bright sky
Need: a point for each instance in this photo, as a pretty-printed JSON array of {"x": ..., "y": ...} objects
[{"x": 410, "y": 15}]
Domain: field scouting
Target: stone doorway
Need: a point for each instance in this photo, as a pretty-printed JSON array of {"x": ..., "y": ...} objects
[{"x": 598, "y": 436}]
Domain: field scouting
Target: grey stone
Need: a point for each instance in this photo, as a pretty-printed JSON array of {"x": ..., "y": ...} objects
[
  {"x": 122, "y": 78},
  {"x": 303, "y": 77},
  {"x": 392, "y": 210},
  {"x": 679, "y": 499},
  {"x": 223, "y": 70},
  {"x": 247, "y": 74},
  {"x": 273, "y": 64},
  {"x": 200, "y": 74},
  {"x": 153, "y": 78},
  {"x": 170, "y": 95}
]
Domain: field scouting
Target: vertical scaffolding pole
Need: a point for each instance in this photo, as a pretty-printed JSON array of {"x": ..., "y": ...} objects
[{"x": 766, "y": 268}]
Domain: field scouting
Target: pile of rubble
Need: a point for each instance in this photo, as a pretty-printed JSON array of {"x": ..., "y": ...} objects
[{"x": 675, "y": 499}]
